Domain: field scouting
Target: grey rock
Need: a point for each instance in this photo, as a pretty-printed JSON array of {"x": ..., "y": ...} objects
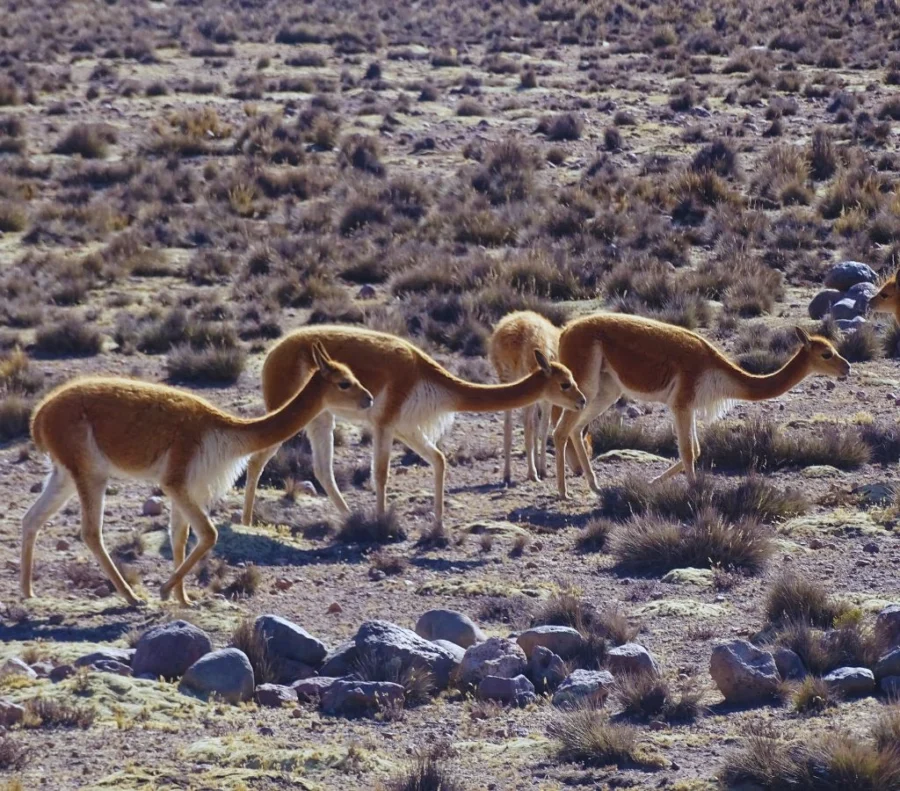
[
  {"x": 790, "y": 665},
  {"x": 341, "y": 661},
  {"x": 850, "y": 325},
  {"x": 518, "y": 691},
  {"x": 289, "y": 641},
  {"x": 862, "y": 294},
  {"x": 851, "y": 680},
  {"x": 449, "y": 625},
  {"x": 743, "y": 673},
  {"x": 381, "y": 643},
  {"x": 312, "y": 688},
  {"x": 287, "y": 671},
  {"x": 564, "y": 641},
  {"x": 820, "y": 304},
  {"x": 631, "y": 659},
  {"x": 584, "y": 688},
  {"x": 153, "y": 506},
  {"x": 452, "y": 648},
  {"x": 274, "y": 695},
  {"x": 123, "y": 655},
  {"x": 110, "y": 666},
  {"x": 16, "y": 667},
  {"x": 169, "y": 649},
  {"x": 61, "y": 672},
  {"x": 546, "y": 669},
  {"x": 10, "y": 713},
  {"x": 889, "y": 664},
  {"x": 226, "y": 673},
  {"x": 357, "y": 698},
  {"x": 890, "y": 686},
  {"x": 494, "y": 657},
  {"x": 847, "y": 274},
  {"x": 43, "y": 669},
  {"x": 367, "y": 291},
  {"x": 876, "y": 493},
  {"x": 887, "y": 626},
  {"x": 844, "y": 308}
]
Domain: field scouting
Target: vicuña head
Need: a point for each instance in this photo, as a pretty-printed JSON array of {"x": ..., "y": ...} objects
[
  {"x": 821, "y": 356},
  {"x": 887, "y": 300},
  {"x": 94, "y": 427},
  {"x": 560, "y": 388}
]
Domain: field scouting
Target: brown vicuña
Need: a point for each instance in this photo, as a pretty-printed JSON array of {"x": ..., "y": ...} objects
[
  {"x": 415, "y": 401},
  {"x": 887, "y": 300},
  {"x": 92, "y": 428},
  {"x": 511, "y": 352},
  {"x": 612, "y": 355}
]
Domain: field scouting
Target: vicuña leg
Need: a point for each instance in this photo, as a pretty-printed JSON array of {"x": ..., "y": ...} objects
[
  {"x": 685, "y": 431},
  {"x": 507, "y": 446},
  {"x": 321, "y": 437},
  {"x": 382, "y": 441},
  {"x": 605, "y": 398},
  {"x": 91, "y": 492},
  {"x": 422, "y": 445},
  {"x": 178, "y": 538},
  {"x": 204, "y": 529},
  {"x": 255, "y": 469},
  {"x": 541, "y": 440},
  {"x": 57, "y": 491},
  {"x": 529, "y": 415}
]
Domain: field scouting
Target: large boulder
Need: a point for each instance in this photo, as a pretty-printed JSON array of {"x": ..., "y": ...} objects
[
  {"x": 546, "y": 669},
  {"x": 453, "y": 649},
  {"x": 564, "y": 641},
  {"x": 110, "y": 666},
  {"x": 169, "y": 649},
  {"x": 584, "y": 688},
  {"x": 449, "y": 625},
  {"x": 496, "y": 656},
  {"x": 275, "y": 695},
  {"x": 890, "y": 686},
  {"x": 289, "y": 641},
  {"x": 844, "y": 309},
  {"x": 379, "y": 643},
  {"x": 311, "y": 689},
  {"x": 851, "y": 680},
  {"x": 10, "y": 713},
  {"x": 744, "y": 673},
  {"x": 790, "y": 665},
  {"x": 341, "y": 661},
  {"x": 889, "y": 664},
  {"x": 518, "y": 691},
  {"x": 631, "y": 659},
  {"x": 862, "y": 294},
  {"x": 123, "y": 655},
  {"x": 850, "y": 325},
  {"x": 847, "y": 274},
  {"x": 357, "y": 698},
  {"x": 226, "y": 673},
  {"x": 17, "y": 667},
  {"x": 887, "y": 626},
  {"x": 821, "y": 303}
]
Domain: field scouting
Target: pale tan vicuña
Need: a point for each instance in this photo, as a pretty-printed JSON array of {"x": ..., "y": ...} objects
[
  {"x": 612, "y": 355},
  {"x": 887, "y": 300},
  {"x": 415, "y": 401},
  {"x": 93, "y": 428}
]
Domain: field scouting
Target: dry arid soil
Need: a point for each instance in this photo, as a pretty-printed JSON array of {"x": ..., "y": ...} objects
[{"x": 183, "y": 182}]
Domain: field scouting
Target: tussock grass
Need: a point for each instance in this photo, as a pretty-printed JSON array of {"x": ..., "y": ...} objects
[
  {"x": 429, "y": 772},
  {"x": 796, "y": 599},
  {"x": 813, "y": 696},
  {"x": 595, "y": 536},
  {"x": 647, "y": 696},
  {"x": 52, "y": 713},
  {"x": 13, "y": 754},
  {"x": 418, "y": 682},
  {"x": 588, "y": 736},
  {"x": 363, "y": 527},
  {"x": 255, "y": 645}
]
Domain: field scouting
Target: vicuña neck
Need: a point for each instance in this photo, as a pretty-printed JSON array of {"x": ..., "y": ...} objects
[
  {"x": 750, "y": 387},
  {"x": 283, "y": 423},
  {"x": 469, "y": 397}
]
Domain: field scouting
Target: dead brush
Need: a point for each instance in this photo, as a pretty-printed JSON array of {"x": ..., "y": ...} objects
[
  {"x": 796, "y": 599},
  {"x": 13, "y": 754},
  {"x": 813, "y": 696},
  {"x": 588, "y": 736},
  {"x": 418, "y": 682},
  {"x": 53, "y": 713},
  {"x": 244, "y": 585},
  {"x": 428, "y": 772},
  {"x": 649, "y": 696},
  {"x": 388, "y": 563},
  {"x": 256, "y": 646}
]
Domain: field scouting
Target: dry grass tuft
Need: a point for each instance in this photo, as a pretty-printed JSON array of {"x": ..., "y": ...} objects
[
  {"x": 588, "y": 736},
  {"x": 369, "y": 528},
  {"x": 50, "y": 713},
  {"x": 796, "y": 599},
  {"x": 252, "y": 642}
]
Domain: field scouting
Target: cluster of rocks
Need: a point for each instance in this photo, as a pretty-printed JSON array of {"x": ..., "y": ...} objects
[
  {"x": 748, "y": 674},
  {"x": 849, "y": 287},
  {"x": 366, "y": 673}
]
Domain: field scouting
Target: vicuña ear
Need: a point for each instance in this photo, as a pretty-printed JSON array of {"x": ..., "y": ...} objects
[
  {"x": 542, "y": 361},
  {"x": 803, "y": 335},
  {"x": 320, "y": 357}
]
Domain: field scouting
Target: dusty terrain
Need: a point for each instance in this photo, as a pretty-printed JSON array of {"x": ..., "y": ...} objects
[{"x": 216, "y": 199}]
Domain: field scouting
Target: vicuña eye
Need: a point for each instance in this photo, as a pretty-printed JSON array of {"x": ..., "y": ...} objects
[
  {"x": 344, "y": 385},
  {"x": 827, "y": 355},
  {"x": 565, "y": 386}
]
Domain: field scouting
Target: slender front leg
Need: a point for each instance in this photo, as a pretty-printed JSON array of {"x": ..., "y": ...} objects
[
  {"x": 255, "y": 467},
  {"x": 57, "y": 491},
  {"x": 321, "y": 437},
  {"x": 561, "y": 436},
  {"x": 178, "y": 538},
  {"x": 530, "y": 420},
  {"x": 507, "y": 446},
  {"x": 419, "y": 443},
  {"x": 542, "y": 434},
  {"x": 382, "y": 440},
  {"x": 203, "y": 528}
]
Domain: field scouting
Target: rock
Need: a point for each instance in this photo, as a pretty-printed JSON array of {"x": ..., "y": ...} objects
[
  {"x": 62, "y": 545},
  {"x": 887, "y": 626},
  {"x": 123, "y": 655},
  {"x": 584, "y": 688},
  {"x": 16, "y": 667},
  {"x": 790, "y": 666},
  {"x": 341, "y": 661},
  {"x": 629, "y": 455},
  {"x": 546, "y": 670},
  {"x": 288, "y": 671},
  {"x": 43, "y": 669},
  {"x": 61, "y": 672},
  {"x": 851, "y": 680},
  {"x": 890, "y": 686},
  {"x": 449, "y": 625},
  {"x": 849, "y": 325},
  {"x": 888, "y": 665},
  {"x": 226, "y": 673},
  {"x": 452, "y": 648},
  {"x": 10, "y": 713},
  {"x": 289, "y": 641},
  {"x": 334, "y": 608},
  {"x": 743, "y": 673},
  {"x": 518, "y": 691},
  {"x": 496, "y": 656},
  {"x": 381, "y": 643},
  {"x": 847, "y": 274},
  {"x": 366, "y": 292},
  {"x": 169, "y": 649},
  {"x": 844, "y": 309},
  {"x": 862, "y": 294},
  {"x": 689, "y": 576},
  {"x": 820, "y": 471},
  {"x": 564, "y": 641},
  {"x": 274, "y": 695},
  {"x": 312, "y": 688},
  {"x": 153, "y": 506},
  {"x": 355, "y": 698},
  {"x": 875, "y": 493},
  {"x": 631, "y": 659},
  {"x": 110, "y": 666},
  {"x": 821, "y": 303}
]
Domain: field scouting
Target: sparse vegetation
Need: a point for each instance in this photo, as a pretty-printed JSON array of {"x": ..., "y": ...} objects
[{"x": 369, "y": 528}]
